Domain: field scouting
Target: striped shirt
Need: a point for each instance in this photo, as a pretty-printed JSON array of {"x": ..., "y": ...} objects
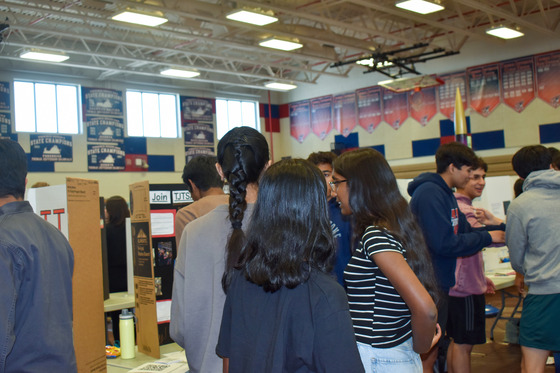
[{"x": 380, "y": 316}]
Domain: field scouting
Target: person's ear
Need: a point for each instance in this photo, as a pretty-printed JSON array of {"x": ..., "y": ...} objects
[{"x": 220, "y": 171}]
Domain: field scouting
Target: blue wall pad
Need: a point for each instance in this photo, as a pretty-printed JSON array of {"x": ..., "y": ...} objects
[
  {"x": 39, "y": 166},
  {"x": 549, "y": 133},
  {"x": 447, "y": 127},
  {"x": 488, "y": 140},
  {"x": 352, "y": 141},
  {"x": 422, "y": 148},
  {"x": 135, "y": 145},
  {"x": 379, "y": 148},
  {"x": 161, "y": 163}
]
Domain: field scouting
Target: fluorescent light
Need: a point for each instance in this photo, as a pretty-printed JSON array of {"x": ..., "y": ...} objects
[
  {"x": 180, "y": 73},
  {"x": 254, "y": 18},
  {"x": 284, "y": 45},
  {"x": 140, "y": 18},
  {"x": 420, "y": 6},
  {"x": 280, "y": 86},
  {"x": 44, "y": 56},
  {"x": 504, "y": 32}
]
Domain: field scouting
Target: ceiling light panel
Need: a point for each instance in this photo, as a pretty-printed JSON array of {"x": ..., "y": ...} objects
[
  {"x": 280, "y": 86},
  {"x": 180, "y": 73},
  {"x": 140, "y": 18},
  {"x": 419, "y": 6},
  {"x": 504, "y": 32},
  {"x": 284, "y": 45},
  {"x": 44, "y": 56},
  {"x": 251, "y": 17}
]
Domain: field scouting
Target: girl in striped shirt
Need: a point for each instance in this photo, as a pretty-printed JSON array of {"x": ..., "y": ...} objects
[{"x": 390, "y": 281}]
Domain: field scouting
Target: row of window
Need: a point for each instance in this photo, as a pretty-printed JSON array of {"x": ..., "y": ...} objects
[{"x": 54, "y": 108}]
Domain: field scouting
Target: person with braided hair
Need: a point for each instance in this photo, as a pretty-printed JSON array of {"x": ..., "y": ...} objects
[{"x": 209, "y": 250}]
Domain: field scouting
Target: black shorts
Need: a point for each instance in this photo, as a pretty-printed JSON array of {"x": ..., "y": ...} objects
[{"x": 466, "y": 323}]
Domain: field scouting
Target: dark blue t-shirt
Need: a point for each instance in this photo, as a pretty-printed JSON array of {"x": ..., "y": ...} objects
[{"x": 342, "y": 231}]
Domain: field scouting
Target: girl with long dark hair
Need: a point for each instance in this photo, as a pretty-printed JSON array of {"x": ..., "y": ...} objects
[
  {"x": 390, "y": 281},
  {"x": 284, "y": 312},
  {"x": 210, "y": 248}
]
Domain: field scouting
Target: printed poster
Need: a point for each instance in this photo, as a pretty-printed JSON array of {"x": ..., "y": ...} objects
[
  {"x": 300, "y": 124},
  {"x": 484, "y": 88},
  {"x": 107, "y": 157},
  {"x": 196, "y": 109},
  {"x": 5, "y": 96},
  {"x": 51, "y": 148},
  {"x": 5, "y": 124},
  {"x": 447, "y": 92},
  {"x": 369, "y": 107},
  {"x": 191, "y": 152},
  {"x": 547, "y": 67},
  {"x": 518, "y": 83},
  {"x": 423, "y": 105},
  {"x": 395, "y": 108},
  {"x": 142, "y": 249},
  {"x": 321, "y": 116},
  {"x": 101, "y": 101},
  {"x": 344, "y": 113},
  {"x": 199, "y": 134},
  {"x": 105, "y": 129}
]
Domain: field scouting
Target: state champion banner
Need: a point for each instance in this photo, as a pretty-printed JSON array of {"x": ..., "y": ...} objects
[
  {"x": 423, "y": 105},
  {"x": 321, "y": 116},
  {"x": 518, "y": 82},
  {"x": 344, "y": 113},
  {"x": 369, "y": 107},
  {"x": 446, "y": 92},
  {"x": 105, "y": 157},
  {"x": 484, "y": 88},
  {"x": 101, "y": 101},
  {"x": 196, "y": 109},
  {"x": 5, "y": 124},
  {"x": 300, "y": 124},
  {"x": 4, "y": 96},
  {"x": 105, "y": 129},
  {"x": 51, "y": 148},
  {"x": 547, "y": 68},
  {"x": 395, "y": 108},
  {"x": 199, "y": 134}
]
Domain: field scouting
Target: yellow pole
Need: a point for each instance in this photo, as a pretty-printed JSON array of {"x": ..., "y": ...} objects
[{"x": 461, "y": 133}]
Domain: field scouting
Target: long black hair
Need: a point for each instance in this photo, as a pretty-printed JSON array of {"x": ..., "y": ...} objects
[
  {"x": 117, "y": 209},
  {"x": 375, "y": 199},
  {"x": 290, "y": 233},
  {"x": 243, "y": 155}
]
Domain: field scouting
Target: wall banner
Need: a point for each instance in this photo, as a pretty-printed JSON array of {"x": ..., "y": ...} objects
[
  {"x": 369, "y": 107},
  {"x": 195, "y": 109},
  {"x": 105, "y": 129},
  {"x": 51, "y": 148},
  {"x": 100, "y": 101},
  {"x": 300, "y": 124},
  {"x": 547, "y": 68},
  {"x": 484, "y": 88},
  {"x": 105, "y": 157},
  {"x": 5, "y": 96},
  {"x": 5, "y": 124},
  {"x": 518, "y": 83},
  {"x": 191, "y": 152},
  {"x": 423, "y": 105},
  {"x": 321, "y": 116},
  {"x": 395, "y": 108},
  {"x": 199, "y": 134},
  {"x": 344, "y": 113},
  {"x": 447, "y": 91}
]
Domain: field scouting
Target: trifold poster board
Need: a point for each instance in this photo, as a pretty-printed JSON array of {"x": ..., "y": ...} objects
[
  {"x": 144, "y": 286},
  {"x": 74, "y": 209}
]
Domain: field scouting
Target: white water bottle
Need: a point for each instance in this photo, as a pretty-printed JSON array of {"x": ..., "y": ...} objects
[{"x": 126, "y": 326}]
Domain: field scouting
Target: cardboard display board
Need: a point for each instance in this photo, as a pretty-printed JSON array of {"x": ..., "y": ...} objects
[
  {"x": 144, "y": 286},
  {"x": 74, "y": 209}
]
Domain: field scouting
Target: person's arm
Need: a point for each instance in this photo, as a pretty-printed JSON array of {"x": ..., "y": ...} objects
[
  {"x": 485, "y": 217},
  {"x": 226, "y": 365},
  {"x": 422, "y": 307},
  {"x": 434, "y": 217},
  {"x": 11, "y": 266},
  {"x": 516, "y": 241},
  {"x": 176, "y": 325}
]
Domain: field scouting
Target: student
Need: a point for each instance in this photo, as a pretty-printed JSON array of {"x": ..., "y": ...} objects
[
  {"x": 533, "y": 240},
  {"x": 390, "y": 281},
  {"x": 467, "y": 317},
  {"x": 340, "y": 224},
  {"x": 283, "y": 311},
  {"x": 446, "y": 230},
  {"x": 210, "y": 248},
  {"x": 206, "y": 188},
  {"x": 36, "y": 266}
]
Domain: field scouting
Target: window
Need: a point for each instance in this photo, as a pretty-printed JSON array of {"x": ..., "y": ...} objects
[
  {"x": 152, "y": 114},
  {"x": 236, "y": 113},
  {"x": 46, "y": 107}
]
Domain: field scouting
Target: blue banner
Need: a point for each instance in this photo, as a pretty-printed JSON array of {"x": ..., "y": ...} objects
[
  {"x": 191, "y": 152},
  {"x": 195, "y": 109},
  {"x": 105, "y": 157},
  {"x": 199, "y": 134},
  {"x": 51, "y": 148},
  {"x": 100, "y": 101},
  {"x": 4, "y": 96},
  {"x": 104, "y": 129},
  {"x": 5, "y": 124}
]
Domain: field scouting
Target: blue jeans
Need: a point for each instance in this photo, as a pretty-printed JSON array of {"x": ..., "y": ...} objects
[{"x": 401, "y": 359}]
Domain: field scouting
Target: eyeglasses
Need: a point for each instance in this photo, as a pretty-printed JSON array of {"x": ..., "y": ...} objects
[{"x": 334, "y": 184}]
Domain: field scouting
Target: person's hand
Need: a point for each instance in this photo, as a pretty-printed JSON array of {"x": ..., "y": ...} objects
[
  {"x": 490, "y": 287},
  {"x": 486, "y": 217},
  {"x": 437, "y": 336},
  {"x": 498, "y": 236},
  {"x": 520, "y": 283}
]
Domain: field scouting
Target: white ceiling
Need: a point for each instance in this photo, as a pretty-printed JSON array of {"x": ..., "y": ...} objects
[{"x": 227, "y": 53}]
